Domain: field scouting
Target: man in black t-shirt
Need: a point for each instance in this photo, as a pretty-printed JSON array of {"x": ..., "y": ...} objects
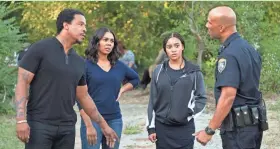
[{"x": 55, "y": 74}]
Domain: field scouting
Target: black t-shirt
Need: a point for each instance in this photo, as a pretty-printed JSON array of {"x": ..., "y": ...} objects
[
  {"x": 239, "y": 66},
  {"x": 52, "y": 91},
  {"x": 174, "y": 74}
]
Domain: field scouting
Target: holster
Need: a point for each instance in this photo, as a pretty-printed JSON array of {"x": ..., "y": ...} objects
[
  {"x": 255, "y": 114},
  {"x": 263, "y": 116},
  {"x": 228, "y": 123}
]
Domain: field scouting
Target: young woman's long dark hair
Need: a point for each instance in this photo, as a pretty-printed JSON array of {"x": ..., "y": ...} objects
[{"x": 91, "y": 52}]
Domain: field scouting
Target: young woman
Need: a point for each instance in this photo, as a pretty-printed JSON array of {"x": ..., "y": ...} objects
[
  {"x": 177, "y": 95},
  {"x": 104, "y": 75}
]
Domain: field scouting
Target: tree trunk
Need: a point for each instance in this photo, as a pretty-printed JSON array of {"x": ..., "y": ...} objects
[
  {"x": 201, "y": 48},
  {"x": 195, "y": 32}
]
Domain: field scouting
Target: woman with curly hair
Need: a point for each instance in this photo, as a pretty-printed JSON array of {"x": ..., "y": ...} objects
[{"x": 104, "y": 75}]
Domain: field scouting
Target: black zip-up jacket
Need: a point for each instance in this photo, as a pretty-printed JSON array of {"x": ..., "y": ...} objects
[{"x": 175, "y": 104}]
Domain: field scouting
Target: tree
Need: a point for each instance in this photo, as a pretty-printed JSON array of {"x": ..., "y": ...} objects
[
  {"x": 141, "y": 26},
  {"x": 10, "y": 42}
]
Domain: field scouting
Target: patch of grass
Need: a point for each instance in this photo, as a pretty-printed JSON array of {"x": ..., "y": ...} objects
[
  {"x": 132, "y": 129},
  {"x": 8, "y": 139},
  {"x": 129, "y": 147},
  {"x": 275, "y": 106},
  {"x": 7, "y": 109}
]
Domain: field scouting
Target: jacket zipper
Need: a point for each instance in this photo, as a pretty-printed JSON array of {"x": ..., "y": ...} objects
[
  {"x": 66, "y": 59},
  {"x": 171, "y": 89}
]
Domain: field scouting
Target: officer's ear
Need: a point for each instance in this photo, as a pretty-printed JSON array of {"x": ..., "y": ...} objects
[{"x": 222, "y": 28}]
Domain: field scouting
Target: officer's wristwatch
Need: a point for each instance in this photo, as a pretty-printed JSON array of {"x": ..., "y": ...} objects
[{"x": 209, "y": 131}]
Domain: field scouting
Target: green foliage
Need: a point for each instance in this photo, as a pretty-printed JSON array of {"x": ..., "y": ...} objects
[
  {"x": 7, "y": 108},
  {"x": 142, "y": 26},
  {"x": 10, "y": 42},
  {"x": 131, "y": 21},
  {"x": 209, "y": 72},
  {"x": 8, "y": 139},
  {"x": 270, "y": 81},
  {"x": 254, "y": 26}
]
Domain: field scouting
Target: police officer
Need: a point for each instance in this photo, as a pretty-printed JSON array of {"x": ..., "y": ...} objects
[{"x": 237, "y": 75}]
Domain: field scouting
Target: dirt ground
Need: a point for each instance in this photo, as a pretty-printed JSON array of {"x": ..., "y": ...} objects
[{"x": 134, "y": 107}]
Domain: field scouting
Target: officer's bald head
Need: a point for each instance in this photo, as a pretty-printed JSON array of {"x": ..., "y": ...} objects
[
  {"x": 221, "y": 22},
  {"x": 223, "y": 15}
]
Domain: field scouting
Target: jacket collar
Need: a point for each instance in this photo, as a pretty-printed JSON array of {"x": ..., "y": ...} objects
[{"x": 189, "y": 67}]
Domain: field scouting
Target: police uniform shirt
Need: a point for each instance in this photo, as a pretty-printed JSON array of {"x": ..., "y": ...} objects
[
  {"x": 52, "y": 91},
  {"x": 239, "y": 66}
]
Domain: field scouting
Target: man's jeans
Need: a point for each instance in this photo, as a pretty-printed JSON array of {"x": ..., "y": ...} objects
[
  {"x": 115, "y": 124},
  {"x": 44, "y": 136}
]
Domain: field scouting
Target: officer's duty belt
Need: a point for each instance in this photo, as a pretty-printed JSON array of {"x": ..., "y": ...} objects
[{"x": 246, "y": 116}]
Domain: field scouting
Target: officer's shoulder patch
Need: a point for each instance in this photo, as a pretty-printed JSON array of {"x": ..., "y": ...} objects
[{"x": 222, "y": 64}]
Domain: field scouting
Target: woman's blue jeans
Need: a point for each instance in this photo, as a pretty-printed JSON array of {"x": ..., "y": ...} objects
[{"x": 115, "y": 124}]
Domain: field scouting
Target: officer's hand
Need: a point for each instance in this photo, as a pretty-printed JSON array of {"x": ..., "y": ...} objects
[
  {"x": 91, "y": 135},
  {"x": 202, "y": 137},
  {"x": 153, "y": 137},
  {"x": 111, "y": 136},
  {"x": 23, "y": 132}
]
